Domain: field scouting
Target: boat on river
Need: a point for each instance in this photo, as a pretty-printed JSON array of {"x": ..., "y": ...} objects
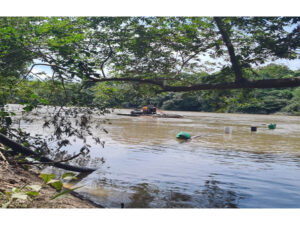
[
  {"x": 153, "y": 115},
  {"x": 150, "y": 110}
]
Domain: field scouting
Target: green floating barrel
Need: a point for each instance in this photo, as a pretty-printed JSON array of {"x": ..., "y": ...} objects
[
  {"x": 183, "y": 135},
  {"x": 272, "y": 126}
]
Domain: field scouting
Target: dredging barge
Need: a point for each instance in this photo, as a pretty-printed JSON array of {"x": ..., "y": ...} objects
[{"x": 150, "y": 110}]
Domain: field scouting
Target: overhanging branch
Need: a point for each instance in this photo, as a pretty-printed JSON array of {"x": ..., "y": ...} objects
[
  {"x": 269, "y": 83},
  {"x": 128, "y": 79}
]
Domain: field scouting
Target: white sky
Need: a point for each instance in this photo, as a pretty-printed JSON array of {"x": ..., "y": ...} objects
[
  {"x": 150, "y": 8},
  {"x": 292, "y": 64}
]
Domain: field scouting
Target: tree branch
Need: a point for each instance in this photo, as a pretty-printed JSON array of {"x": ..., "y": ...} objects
[
  {"x": 107, "y": 58},
  {"x": 26, "y": 151},
  {"x": 269, "y": 83},
  {"x": 60, "y": 161}
]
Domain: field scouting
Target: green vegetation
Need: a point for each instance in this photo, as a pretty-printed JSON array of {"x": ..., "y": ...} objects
[
  {"x": 124, "y": 95},
  {"x": 28, "y": 193},
  {"x": 130, "y": 61}
]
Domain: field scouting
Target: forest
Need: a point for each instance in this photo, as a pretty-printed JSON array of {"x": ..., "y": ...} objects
[{"x": 129, "y": 95}]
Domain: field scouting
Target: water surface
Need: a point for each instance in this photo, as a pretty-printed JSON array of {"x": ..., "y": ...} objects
[{"x": 143, "y": 164}]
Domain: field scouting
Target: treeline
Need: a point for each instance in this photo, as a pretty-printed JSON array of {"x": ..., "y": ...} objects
[
  {"x": 260, "y": 101},
  {"x": 134, "y": 95}
]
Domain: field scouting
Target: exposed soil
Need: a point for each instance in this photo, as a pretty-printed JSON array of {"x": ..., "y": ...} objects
[{"x": 13, "y": 176}]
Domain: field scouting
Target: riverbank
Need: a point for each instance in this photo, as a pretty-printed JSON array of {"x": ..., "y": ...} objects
[
  {"x": 242, "y": 113},
  {"x": 13, "y": 176}
]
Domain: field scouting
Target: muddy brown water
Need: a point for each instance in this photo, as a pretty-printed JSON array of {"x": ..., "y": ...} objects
[{"x": 145, "y": 166}]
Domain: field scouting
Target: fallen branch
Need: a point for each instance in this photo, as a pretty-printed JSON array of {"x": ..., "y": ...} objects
[
  {"x": 26, "y": 151},
  {"x": 64, "y": 160}
]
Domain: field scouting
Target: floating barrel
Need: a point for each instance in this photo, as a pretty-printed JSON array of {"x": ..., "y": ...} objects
[
  {"x": 183, "y": 135},
  {"x": 253, "y": 129}
]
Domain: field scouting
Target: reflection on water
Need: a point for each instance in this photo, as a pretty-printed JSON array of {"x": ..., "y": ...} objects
[
  {"x": 212, "y": 196},
  {"x": 143, "y": 196},
  {"x": 144, "y": 166}
]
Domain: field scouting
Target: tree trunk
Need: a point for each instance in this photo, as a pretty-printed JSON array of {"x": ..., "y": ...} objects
[{"x": 234, "y": 61}]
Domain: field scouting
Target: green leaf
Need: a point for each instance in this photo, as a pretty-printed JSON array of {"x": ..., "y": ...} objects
[
  {"x": 57, "y": 184},
  {"x": 35, "y": 187},
  {"x": 68, "y": 174},
  {"x": 28, "y": 108},
  {"x": 34, "y": 96},
  {"x": 64, "y": 192},
  {"x": 22, "y": 196},
  {"x": 8, "y": 121},
  {"x": 32, "y": 193},
  {"x": 47, "y": 177},
  {"x": 26, "y": 144},
  {"x": 44, "y": 101}
]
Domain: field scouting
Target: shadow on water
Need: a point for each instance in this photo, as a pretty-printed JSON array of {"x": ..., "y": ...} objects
[
  {"x": 143, "y": 196},
  {"x": 210, "y": 195}
]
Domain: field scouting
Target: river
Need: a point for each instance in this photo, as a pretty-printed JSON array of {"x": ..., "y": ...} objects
[{"x": 144, "y": 166}]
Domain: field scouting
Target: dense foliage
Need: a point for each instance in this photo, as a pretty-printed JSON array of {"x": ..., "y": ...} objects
[
  {"x": 124, "y": 95},
  {"x": 167, "y": 52}
]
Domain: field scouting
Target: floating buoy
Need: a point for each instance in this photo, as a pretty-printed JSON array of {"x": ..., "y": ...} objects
[
  {"x": 183, "y": 135},
  {"x": 272, "y": 126},
  {"x": 253, "y": 129}
]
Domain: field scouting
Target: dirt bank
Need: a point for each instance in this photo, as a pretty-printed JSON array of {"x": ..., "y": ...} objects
[{"x": 12, "y": 176}]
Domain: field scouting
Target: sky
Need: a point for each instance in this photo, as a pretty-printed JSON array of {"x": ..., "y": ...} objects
[{"x": 292, "y": 64}]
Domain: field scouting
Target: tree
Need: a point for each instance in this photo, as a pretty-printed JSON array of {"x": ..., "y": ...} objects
[{"x": 161, "y": 51}]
